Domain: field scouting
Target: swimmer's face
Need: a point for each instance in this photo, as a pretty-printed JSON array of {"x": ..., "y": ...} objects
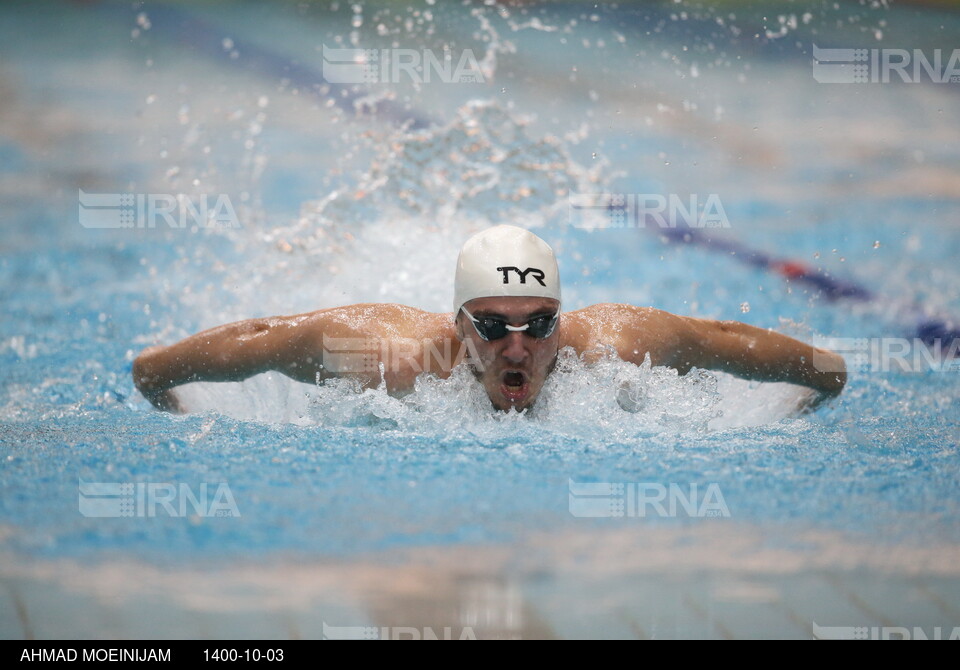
[{"x": 513, "y": 368}]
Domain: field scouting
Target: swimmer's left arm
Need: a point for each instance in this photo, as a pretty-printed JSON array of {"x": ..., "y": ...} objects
[
  {"x": 730, "y": 346},
  {"x": 756, "y": 353}
]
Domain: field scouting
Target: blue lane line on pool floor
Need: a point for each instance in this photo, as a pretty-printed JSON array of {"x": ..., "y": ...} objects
[
  {"x": 927, "y": 329},
  {"x": 175, "y": 24}
]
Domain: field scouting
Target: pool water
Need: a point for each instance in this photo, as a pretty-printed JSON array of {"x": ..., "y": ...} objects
[{"x": 860, "y": 181}]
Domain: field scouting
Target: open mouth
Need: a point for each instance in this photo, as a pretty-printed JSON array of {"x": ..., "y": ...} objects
[{"x": 514, "y": 386}]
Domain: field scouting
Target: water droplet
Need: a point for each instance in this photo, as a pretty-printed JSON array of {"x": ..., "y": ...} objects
[
  {"x": 816, "y": 254},
  {"x": 594, "y": 154},
  {"x": 744, "y": 307},
  {"x": 876, "y": 244}
]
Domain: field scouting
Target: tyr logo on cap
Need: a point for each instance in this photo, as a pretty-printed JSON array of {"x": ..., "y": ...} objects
[{"x": 537, "y": 274}]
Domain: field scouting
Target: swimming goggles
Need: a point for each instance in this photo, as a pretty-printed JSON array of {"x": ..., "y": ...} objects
[{"x": 493, "y": 328}]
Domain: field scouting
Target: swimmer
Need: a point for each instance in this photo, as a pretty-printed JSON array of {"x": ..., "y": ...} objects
[{"x": 506, "y": 325}]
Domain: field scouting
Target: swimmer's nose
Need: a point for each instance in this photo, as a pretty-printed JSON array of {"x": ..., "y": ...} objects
[{"x": 515, "y": 351}]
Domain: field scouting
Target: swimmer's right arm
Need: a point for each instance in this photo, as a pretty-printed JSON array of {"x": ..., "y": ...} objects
[
  {"x": 292, "y": 345},
  {"x": 232, "y": 352}
]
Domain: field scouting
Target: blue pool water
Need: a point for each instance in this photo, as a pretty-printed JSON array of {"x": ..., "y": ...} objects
[{"x": 862, "y": 182}]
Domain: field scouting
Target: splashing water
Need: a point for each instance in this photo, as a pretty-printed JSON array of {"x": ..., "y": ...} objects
[{"x": 388, "y": 238}]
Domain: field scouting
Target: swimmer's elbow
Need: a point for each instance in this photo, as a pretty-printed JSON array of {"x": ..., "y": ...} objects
[{"x": 835, "y": 379}]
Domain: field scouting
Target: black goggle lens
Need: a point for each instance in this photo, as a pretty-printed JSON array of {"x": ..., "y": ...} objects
[{"x": 491, "y": 328}]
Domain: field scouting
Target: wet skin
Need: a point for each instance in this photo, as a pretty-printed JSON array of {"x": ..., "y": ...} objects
[{"x": 512, "y": 369}]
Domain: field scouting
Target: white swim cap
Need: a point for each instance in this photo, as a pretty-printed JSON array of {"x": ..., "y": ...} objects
[{"x": 505, "y": 261}]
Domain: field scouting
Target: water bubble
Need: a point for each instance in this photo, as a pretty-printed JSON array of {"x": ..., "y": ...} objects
[
  {"x": 227, "y": 44},
  {"x": 744, "y": 307},
  {"x": 876, "y": 244},
  {"x": 143, "y": 21},
  {"x": 151, "y": 99}
]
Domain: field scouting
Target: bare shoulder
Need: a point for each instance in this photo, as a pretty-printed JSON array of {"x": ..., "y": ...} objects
[
  {"x": 632, "y": 330},
  {"x": 611, "y": 317},
  {"x": 381, "y": 320}
]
